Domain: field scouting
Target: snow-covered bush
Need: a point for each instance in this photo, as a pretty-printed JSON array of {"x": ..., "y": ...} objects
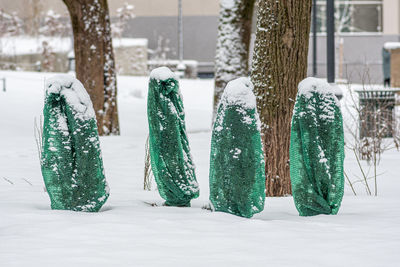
[
  {"x": 171, "y": 161},
  {"x": 72, "y": 165},
  {"x": 237, "y": 167},
  {"x": 317, "y": 149}
]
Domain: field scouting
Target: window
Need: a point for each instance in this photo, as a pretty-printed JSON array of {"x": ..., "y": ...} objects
[{"x": 352, "y": 16}]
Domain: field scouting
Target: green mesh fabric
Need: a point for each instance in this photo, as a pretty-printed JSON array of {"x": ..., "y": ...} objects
[
  {"x": 71, "y": 161},
  {"x": 316, "y": 150},
  {"x": 171, "y": 161},
  {"x": 237, "y": 167}
]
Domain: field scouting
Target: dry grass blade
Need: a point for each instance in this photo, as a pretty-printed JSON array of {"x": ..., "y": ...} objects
[
  {"x": 147, "y": 168},
  {"x": 38, "y": 133},
  {"x": 350, "y": 183}
]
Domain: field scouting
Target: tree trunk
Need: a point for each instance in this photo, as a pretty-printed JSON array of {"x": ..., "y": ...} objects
[
  {"x": 232, "y": 55},
  {"x": 94, "y": 58},
  {"x": 279, "y": 64}
]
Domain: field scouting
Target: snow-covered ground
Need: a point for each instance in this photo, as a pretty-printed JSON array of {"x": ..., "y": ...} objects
[
  {"x": 128, "y": 232},
  {"x": 26, "y": 45}
]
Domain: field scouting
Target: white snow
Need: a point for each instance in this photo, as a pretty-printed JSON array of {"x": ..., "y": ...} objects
[
  {"x": 228, "y": 4},
  {"x": 128, "y": 232},
  {"x": 309, "y": 85},
  {"x": 25, "y": 45},
  {"x": 73, "y": 92},
  {"x": 240, "y": 92},
  {"x": 162, "y": 73},
  {"x": 128, "y": 42},
  {"x": 391, "y": 45}
]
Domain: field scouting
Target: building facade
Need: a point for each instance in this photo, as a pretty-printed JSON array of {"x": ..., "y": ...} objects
[{"x": 362, "y": 28}]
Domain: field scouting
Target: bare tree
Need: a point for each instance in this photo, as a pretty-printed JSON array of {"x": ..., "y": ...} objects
[
  {"x": 10, "y": 24},
  {"x": 279, "y": 64},
  {"x": 54, "y": 25},
  {"x": 159, "y": 55},
  {"x": 34, "y": 18},
  {"x": 234, "y": 32},
  {"x": 371, "y": 129},
  {"x": 124, "y": 14},
  {"x": 94, "y": 58},
  {"x": 48, "y": 57}
]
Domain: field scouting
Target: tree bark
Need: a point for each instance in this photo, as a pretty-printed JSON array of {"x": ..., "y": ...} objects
[
  {"x": 232, "y": 55},
  {"x": 94, "y": 58},
  {"x": 279, "y": 64}
]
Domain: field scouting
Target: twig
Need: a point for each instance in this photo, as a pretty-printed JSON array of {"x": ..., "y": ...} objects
[
  {"x": 27, "y": 181},
  {"x": 8, "y": 180},
  {"x": 362, "y": 171},
  {"x": 351, "y": 185},
  {"x": 376, "y": 184}
]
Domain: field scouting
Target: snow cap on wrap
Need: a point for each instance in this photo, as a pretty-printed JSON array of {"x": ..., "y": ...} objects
[
  {"x": 74, "y": 93},
  {"x": 162, "y": 74},
  {"x": 240, "y": 92},
  {"x": 228, "y": 4},
  {"x": 314, "y": 85}
]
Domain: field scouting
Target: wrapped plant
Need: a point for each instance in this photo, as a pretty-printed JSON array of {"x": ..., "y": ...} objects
[
  {"x": 317, "y": 149},
  {"x": 170, "y": 157},
  {"x": 72, "y": 165},
  {"x": 237, "y": 167}
]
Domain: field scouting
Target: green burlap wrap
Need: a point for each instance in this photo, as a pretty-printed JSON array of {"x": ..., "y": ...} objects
[
  {"x": 237, "y": 166},
  {"x": 316, "y": 149},
  {"x": 171, "y": 161},
  {"x": 71, "y": 161}
]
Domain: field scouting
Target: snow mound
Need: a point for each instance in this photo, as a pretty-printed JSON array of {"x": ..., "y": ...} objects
[
  {"x": 162, "y": 73},
  {"x": 391, "y": 45},
  {"x": 240, "y": 92},
  {"x": 311, "y": 85},
  {"x": 73, "y": 92}
]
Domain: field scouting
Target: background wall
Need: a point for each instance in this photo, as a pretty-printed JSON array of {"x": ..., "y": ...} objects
[{"x": 362, "y": 54}]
